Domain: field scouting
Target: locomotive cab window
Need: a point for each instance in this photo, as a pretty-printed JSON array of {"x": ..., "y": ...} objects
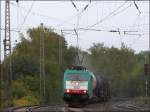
[{"x": 76, "y": 77}]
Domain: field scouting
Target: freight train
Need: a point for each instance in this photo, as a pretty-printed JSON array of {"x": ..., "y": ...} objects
[{"x": 81, "y": 85}]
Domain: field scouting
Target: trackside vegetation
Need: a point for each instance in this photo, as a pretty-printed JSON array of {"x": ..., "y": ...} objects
[{"x": 121, "y": 66}]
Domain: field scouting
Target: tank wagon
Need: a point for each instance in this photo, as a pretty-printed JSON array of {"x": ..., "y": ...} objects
[{"x": 80, "y": 85}]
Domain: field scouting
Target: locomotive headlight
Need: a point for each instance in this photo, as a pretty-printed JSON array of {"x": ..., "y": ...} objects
[
  {"x": 77, "y": 83},
  {"x": 68, "y": 91},
  {"x": 85, "y": 91}
]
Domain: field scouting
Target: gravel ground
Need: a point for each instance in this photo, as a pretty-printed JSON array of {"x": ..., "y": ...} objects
[{"x": 126, "y": 105}]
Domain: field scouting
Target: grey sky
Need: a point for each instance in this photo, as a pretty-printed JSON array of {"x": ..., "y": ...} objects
[{"x": 62, "y": 15}]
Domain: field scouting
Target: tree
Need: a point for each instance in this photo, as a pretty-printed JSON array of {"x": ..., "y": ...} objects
[
  {"x": 26, "y": 65},
  {"x": 122, "y": 67}
]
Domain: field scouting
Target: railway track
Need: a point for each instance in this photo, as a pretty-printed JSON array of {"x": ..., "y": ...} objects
[
  {"x": 27, "y": 108},
  {"x": 111, "y": 106},
  {"x": 129, "y": 106}
]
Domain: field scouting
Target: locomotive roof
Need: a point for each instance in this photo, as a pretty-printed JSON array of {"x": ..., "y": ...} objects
[{"x": 77, "y": 68}]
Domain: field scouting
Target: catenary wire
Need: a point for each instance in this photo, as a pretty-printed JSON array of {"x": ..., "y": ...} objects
[
  {"x": 113, "y": 13},
  {"x": 26, "y": 16},
  {"x": 45, "y": 16}
]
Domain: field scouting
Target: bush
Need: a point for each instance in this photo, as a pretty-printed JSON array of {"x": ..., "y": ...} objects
[{"x": 27, "y": 100}]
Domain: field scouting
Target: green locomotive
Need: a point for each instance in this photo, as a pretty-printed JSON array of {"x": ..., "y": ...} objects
[{"x": 80, "y": 85}]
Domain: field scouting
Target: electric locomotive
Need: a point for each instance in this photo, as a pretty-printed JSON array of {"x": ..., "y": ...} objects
[{"x": 80, "y": 85}]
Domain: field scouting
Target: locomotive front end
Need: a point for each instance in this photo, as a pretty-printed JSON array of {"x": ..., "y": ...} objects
[{"x": 76, "y": 85}]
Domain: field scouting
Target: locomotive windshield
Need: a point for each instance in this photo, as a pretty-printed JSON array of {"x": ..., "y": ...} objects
[{"x": 77, "y": 77}]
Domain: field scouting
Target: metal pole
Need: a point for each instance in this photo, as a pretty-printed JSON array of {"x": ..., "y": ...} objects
[
  {"x": 60, "y": 63},
  {"x": 1, "y": 76},
  {"x": 43, "y": 68},
  {"x": 78, "y": 58},
  {"x": 149, "y": 66},
  {"x": 146, "y": 99},
  {"x": 7, "y": 51},
  {"x": 147, "y": 72},
  {"x": 60, "y": 48},
  {"x": 7, "y": 40},
  {"x": 40, "y": 66}
]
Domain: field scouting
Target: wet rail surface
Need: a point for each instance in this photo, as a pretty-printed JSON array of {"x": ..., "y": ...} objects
[{"x": 111, "y": 106}]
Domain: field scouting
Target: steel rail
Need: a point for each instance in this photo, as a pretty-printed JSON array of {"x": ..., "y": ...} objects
[{"x": 79, "y": 0}]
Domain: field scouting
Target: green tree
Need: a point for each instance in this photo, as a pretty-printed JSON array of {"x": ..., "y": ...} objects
[
  {"x": 26, "y": 65},
  {"x": 123, "y": 67}
]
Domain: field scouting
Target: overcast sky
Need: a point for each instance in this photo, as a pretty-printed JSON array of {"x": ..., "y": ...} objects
[{"x": 122, "y": 16}]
